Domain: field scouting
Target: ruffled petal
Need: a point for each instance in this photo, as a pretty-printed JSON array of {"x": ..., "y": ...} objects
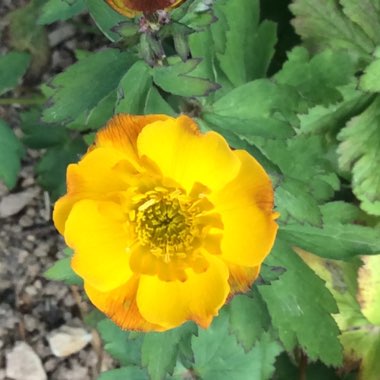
[
  {"x": 187, "y": 156},
  {"x": 245, "y": 206},
  {"x": 120, "y": 305},
  {"x": 199, "y": 298},
  {"x": 96, "y": 233}
]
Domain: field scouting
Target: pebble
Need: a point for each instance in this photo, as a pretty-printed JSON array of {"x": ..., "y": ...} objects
[
  {"x": 67, "y": 340},
  {"x": 22, "y": 363}
]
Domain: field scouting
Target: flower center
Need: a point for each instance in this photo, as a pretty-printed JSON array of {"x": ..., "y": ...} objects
[{"x": 164, "y": 222}]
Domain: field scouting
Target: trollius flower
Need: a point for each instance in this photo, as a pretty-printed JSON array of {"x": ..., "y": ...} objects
[
  {"x": 165, "y": 222},
  {"x": 131, "y": 8}
]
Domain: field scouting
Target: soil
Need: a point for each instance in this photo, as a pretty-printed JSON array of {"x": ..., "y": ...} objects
[{"x": 31, "y": 307}]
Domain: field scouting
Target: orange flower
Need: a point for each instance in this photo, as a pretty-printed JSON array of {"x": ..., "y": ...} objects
[
  {"x": 131, "y": 8},
  {"x": 165, "y": 222}
]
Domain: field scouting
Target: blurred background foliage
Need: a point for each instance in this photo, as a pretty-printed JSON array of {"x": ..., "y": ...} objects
[{"x": 295, "y": 83}]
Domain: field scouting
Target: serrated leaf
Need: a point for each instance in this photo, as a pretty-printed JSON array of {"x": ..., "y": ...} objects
[
  {"x": 249, "y": 46},
  {"x": 51, "y": 169},
  {"x": 293, "y": 201},
  {"x": 11, "y": 153},
  {"x": 360, "y": 338},
  {"x": 125, "y": 373},
  {"x": 370, "y": 79},
  {"x": 218, "y": 356},
  {"x": 324, "y": 24},
  {"x": 249, "y": 318},
  {"x": 335, "y": 239},
  {"x": 12, "y": 68},
  {"x": 321, "y": 74},
  {"x": 320, "y": 119},
  {"x": 359, "y": 151},
  {"x": 26, "y": 35},
  {"x": 175, "y": 80},
  {"x": 299, "y": 300},
  {"x": 62, "y": 271},
  {"x": 105, "y": 18},
  {"x": 132, "y": 93},
  {"x": 366, "y": 14},
  {"x": 159, "y": 352},
  {"x": 120, "y": 344},
  {"x": 54, "y": 10},
  {"x": 82, "y": 86}
]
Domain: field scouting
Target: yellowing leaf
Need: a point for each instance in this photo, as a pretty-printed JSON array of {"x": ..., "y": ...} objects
[{"x": 369, "y": 288}]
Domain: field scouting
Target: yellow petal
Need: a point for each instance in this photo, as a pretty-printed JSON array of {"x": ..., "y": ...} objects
[
  {"x": 187, "y": 156},
  {"x": 95, "y": 231},
  {"x": 245, "y": 206},
  {"x": 92, "y": 178},
  {"x": 199, "y": 298},
  {"x": 122, "y": 130},
  {"x": 120, "y": 305}
]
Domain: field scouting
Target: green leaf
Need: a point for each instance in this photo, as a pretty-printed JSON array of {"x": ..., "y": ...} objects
[
  {"x": 36, "y": 134},
  {"x": 293, "y": 201},
  {"x": 319, "y": 180},
  {"x": 218, "y": 356},
  {"x": 120, "y": 344},
  {"x": 11, "y": 153},
  {"x": 249, "y": 318},
  {"x": 366, "y": 14},
  {"x": 155, "y": 103},
  {"x": 12, "y": 68},
  {"x": 370, "y": 79},
  {"x": 55, "y": 10},
  {"x": 335, "y": 239},
  {"x": 82, "y": 86},
  {"x": 273, "y": 113},
  {"x": 62, "y": 271},
  {"x": 359, "y": 151},
  {"x": 125, "y": 373},
  {"x": 249, "y": 46},
  {"x": 26, "y": 35},
  {"x": 175, "y": 80},
  {"x": 324, "y": 24},
  {"x": 300, "y": 305},
  {"x": 51, "y": 169},
  {"x": 321, "y": 74},
  {"x": 105, "y": 18},
  {"x": 248, "y": 129},
  {"x": 132, "y": 93},
  {"x": 159, "y": 352},
  {"x": 319, "y": 119}
]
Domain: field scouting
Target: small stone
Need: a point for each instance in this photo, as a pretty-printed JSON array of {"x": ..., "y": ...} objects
[
  {"x": 68, "y": 340},
  {"x": 26, "y": 221},
  {"x": 13, "y": 203},
  {"x": 22, "y": 363},
  {"x": 51, "y": 364},
  {"x": 30, "y": 323}
]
